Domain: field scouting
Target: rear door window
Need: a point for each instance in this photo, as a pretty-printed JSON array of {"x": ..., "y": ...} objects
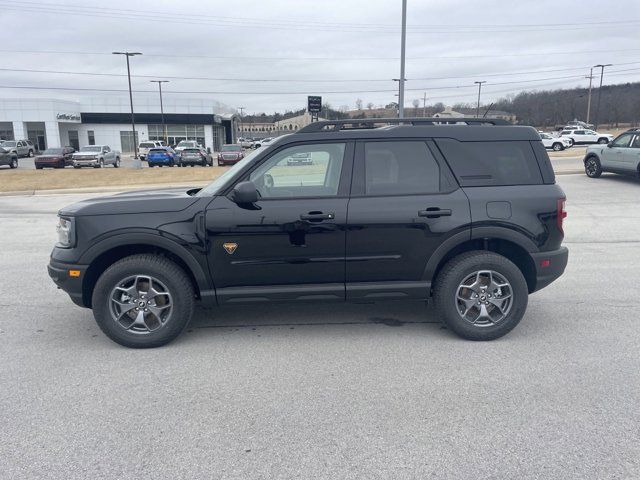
[
  {"x": 491, "y": 163},
  {"x": 400, "y": 168}
]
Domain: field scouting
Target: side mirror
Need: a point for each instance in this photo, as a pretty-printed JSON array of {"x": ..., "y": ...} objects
[
  {"x": 609, "y": 145},
  {"x": 244, "y": 193}
]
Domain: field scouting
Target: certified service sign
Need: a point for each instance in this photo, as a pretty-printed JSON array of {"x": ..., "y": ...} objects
[{"x": 68, "y": 117}]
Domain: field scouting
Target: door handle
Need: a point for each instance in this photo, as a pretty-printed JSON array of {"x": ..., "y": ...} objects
[
  {"x": 435, "y": 212},
  {"x": 317, "y": 216}
]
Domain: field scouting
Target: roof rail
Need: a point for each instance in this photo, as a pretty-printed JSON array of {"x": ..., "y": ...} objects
[{"x": 370, "y": 123}]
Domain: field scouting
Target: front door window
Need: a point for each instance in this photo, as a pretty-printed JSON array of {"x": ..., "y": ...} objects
[{"x": 301, "y": 171}]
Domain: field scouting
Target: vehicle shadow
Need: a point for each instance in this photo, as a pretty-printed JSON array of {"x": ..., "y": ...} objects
[
  {"x": 392, "y": 314},
  {"x": 627, "y": 179}
]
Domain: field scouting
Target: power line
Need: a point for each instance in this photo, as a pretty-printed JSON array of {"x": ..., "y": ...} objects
[
  {"x": 311, "y": 58},
  {"x": 292, "y": 80},
  {"x": 181, "y": 18}
]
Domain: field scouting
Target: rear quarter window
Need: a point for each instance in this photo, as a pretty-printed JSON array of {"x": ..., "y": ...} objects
[{"x": 477, "y": 164}]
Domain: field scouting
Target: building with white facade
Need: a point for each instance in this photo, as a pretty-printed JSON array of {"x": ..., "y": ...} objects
[{"x": 50, "y": 123}]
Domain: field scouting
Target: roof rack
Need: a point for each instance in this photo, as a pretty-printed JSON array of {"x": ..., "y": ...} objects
[
  {"x": 370, "y": 123},
  {"x": 634, "y": 129}
]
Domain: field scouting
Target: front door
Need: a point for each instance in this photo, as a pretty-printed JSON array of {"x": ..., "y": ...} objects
[
  {"x": 290, "y": 245},
  {"x": 404, "y": 204},
  {"x": 613, "y": 155}
]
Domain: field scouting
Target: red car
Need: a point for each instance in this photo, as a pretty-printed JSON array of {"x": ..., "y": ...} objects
[
  {"x": 54, "y": 158},
  {"x": 230, "y": 154}
]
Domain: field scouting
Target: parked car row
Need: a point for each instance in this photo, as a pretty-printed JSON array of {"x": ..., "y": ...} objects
[
  {"x": 254, "y": 142},
  {"x": 187, "y": 156}
]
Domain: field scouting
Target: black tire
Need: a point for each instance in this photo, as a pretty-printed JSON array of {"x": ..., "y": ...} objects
[
  {"x": 116, "y": 164},
  {"x": 171, "y": 275},
  {"x": 557, "y": 147},
  {"x": 39, "y": 167},
  {"x": 30, "y": 154},
  {"x": 572, "y": 141},
  {"x": 603, "y": 141},
  {"x": 14, "y": 163},
  {"x": 76, "y": 166},
  {"x": 448, "y": 283},
  {"x": 592, "y": 167}
]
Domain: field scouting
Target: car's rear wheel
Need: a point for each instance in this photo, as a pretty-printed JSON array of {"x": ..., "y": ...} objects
[
  {"x": 572, "y": 142},
  {"x": 603, "y": 141},
  {"x": 592, "y": 167},
  {"x": 14, "y": 163},
  {"x": 143, "y": 301},
  {"x": 480, "y": 295},
  {"x": 557, "y": 147}
]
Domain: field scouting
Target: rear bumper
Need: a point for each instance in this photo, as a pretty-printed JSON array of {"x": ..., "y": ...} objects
[
  {"x": 59, "y": 273},
  {"x": 159, "y": 161},
  {"x": 549, "y": 266}
]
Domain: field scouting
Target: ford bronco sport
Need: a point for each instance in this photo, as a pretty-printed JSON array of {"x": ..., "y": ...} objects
[{"x": 465, "y": 212}]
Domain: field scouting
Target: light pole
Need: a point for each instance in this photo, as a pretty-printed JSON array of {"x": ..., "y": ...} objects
[
  {"x": 479, "y": 90},
  {"x": 590, "y": 77},
  {"x": 424, "y": 105},
  {"x": 402, "y": 58},
  {"x": 133, "y": 120},
  {"x": 595, "y": 126},
  {"x": 164, "y": 125},
  {"x": 241, "y": 123}
]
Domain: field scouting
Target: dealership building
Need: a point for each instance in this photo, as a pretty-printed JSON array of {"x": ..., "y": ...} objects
[{"x": 50, "y": 123}]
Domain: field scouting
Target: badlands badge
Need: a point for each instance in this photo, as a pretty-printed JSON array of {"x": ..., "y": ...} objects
[{"x": 230, "y": 247}]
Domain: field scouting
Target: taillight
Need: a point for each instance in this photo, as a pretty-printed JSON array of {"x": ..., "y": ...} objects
[{"x": 562, "y": 213}]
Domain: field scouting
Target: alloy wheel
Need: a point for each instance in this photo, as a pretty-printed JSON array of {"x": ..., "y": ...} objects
[
  {"x": 484, "y": 298},
  {"x": 140, "y": 304},
  {"x": 591, "y": 167}
]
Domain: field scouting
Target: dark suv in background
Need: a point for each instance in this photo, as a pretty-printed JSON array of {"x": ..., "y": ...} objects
[{"x": 462, "y": 211}]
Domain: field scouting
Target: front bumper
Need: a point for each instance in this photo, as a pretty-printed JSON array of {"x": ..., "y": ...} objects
[
  {"x": 549, "y": 266},
  {"x": 72, "y": 285}
]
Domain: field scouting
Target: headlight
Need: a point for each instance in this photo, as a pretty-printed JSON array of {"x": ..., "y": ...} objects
[{"x": 66, "y": 232}]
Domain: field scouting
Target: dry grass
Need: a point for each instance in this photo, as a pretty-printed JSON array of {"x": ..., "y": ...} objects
[{"x": 24, "y": 180}]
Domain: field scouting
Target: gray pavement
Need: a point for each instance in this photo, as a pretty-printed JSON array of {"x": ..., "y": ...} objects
[{"x": 330, "y": 391}]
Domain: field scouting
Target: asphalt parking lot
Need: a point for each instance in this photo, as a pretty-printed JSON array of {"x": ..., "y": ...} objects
[{"x": 330, "y": 391}]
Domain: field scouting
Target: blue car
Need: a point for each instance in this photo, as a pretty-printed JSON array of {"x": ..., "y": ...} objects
[{"x": 161, "y": 156}]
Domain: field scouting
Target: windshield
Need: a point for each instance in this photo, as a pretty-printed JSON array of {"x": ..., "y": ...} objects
[
  {"x": 185, "y": 143},
  {"x": 9, "y": 143},
  {"x": 231, "y": 148},
  {"x": 91, "y": 149},
  {"x": 214, "y": 187},
  {"x": 53, "y": 151}
]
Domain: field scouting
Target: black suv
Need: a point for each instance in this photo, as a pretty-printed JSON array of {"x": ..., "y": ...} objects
[{"x": 463, "y": 211}]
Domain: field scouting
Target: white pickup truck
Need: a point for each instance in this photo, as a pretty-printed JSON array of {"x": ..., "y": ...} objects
[{"x": 96, "y": 156}]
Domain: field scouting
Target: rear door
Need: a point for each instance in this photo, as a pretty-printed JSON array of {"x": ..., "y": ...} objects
[{"x": 404, "y": 204}]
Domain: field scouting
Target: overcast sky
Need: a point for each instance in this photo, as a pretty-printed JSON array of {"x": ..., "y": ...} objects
[{"x": 268, "y": 56}]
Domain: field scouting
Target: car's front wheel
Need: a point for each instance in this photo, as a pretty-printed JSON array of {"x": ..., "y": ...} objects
[
  {"x": 592, "y": 167},
  {"x": 480, "y": 295},
  {"x": 14, "y": 163},
  {"x": 30, "y": 154},
  {"x": 116, "y": 164},
  {"x": 557, "y": 147},
  {"x": 143, "y": 301}
]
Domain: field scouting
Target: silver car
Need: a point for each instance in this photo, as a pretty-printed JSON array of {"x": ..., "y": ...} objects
[
  {"x": 22, "y": 148},
  {"x": 96, "y": 156},
  {"x": 621, "y": 155}
]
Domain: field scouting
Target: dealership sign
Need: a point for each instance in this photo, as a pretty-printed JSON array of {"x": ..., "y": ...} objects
[
  {"x": 68, "y": 117},
  {"x": 314, "y": 104}
]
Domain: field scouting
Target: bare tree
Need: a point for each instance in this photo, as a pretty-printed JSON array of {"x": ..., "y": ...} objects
[
  {"x": 359, "y": 104},
  {"x": 369, "y": 105}
]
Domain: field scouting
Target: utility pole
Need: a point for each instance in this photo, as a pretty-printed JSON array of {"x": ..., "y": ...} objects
[
  {"x": 402, "y": 60},
  {"x": 599, "y": 92},
  {"x": 424, "y": 105},
  {"x": 479, "y": 90},
  {"x": 133, "y": 119},
  {"x": 164, "y": 125},
  {"x": 590, "y": 77}
]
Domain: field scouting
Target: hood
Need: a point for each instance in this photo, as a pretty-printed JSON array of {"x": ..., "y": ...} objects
[{"x": 143, "y": 201}]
